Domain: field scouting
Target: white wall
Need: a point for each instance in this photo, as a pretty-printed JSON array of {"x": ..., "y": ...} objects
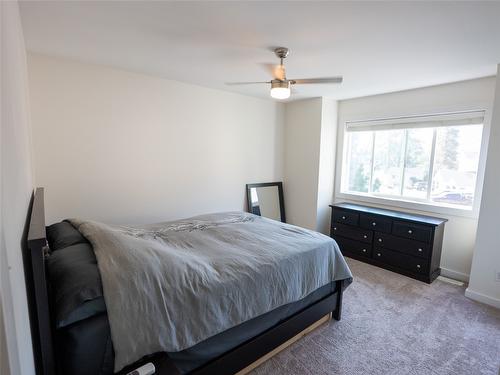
[
  {"x": 121, "y": 147},
  {"x": 326, "y": 173},
  {"x": 15, "y": 191},
  {"x": 4, "y": 355},
  {"x": 302, "y": 152},
  {"x": 310, "y": 142},
  {"x": 486, "y": 261},
  {"x": 460, "y": 231}
]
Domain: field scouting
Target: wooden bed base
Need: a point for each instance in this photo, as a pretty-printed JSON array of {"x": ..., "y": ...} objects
[
  {"x": 240, "y": 360},
  {"x": 285, "y": 345}
]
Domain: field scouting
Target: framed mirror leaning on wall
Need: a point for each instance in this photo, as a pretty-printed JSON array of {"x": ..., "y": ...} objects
[{"x": 266, "y": 199}]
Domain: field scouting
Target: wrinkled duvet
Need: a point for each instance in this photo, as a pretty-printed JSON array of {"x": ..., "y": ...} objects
[{"x": 170, "y": 285}]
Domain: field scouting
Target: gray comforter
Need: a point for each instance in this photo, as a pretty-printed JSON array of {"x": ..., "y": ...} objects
[{"x": 169, "y": 286}]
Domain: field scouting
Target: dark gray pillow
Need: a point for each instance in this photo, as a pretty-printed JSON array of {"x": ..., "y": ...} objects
[
  {"x": 75, "y": 284},
  {"x": 63, "y": 234}
]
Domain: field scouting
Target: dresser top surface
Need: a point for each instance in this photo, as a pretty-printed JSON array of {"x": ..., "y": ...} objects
[{"x": 430, "y": 220}]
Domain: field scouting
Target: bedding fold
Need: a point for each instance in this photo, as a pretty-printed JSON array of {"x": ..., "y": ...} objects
[{"x": 169, "y": 286}]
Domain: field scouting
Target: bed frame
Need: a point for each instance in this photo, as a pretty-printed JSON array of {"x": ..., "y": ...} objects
[{"x": 239, "y": 360}]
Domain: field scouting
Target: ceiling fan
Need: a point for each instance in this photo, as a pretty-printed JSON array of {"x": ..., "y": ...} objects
[{"x": 280, "y": 85}]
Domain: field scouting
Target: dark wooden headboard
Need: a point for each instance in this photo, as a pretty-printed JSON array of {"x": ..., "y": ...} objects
[{"x": 40, "y": 318}]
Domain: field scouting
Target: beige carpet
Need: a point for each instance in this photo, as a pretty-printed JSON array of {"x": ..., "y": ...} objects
[{"x": 394, "y": 325}]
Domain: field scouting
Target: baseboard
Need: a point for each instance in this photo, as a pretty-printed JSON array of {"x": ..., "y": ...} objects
[
  {"x": 483, "y": 298},
  {"x": 455, "y": 275}
]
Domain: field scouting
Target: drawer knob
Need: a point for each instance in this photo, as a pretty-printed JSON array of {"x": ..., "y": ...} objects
[
  {"x": 410, "y": 231},
  {"x": 364, "y": 250},
  {"x": 374, "y": 223},
  {"x": 334, "y": 228},
  {"x": 418, "y": 265},
  {"x": 419, "y": 250},
  {"x": 343, "y": 217},
  {"x": 378, "y": 254},
  {"x": 380, "y": 240},
  {"x": 365, "y": 236}
]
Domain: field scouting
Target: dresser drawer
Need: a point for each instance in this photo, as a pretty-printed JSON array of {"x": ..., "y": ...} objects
[
  {"x": 345, "y": 217},
  {"x": 410, "y": 247},
  {"x": 395, "y": 259},
  {"x": 352, "y": 233},
  {"x": 412, "y": 231},
  {"x": 374, "y": 222},
  {"x": 354, "y": 247}
]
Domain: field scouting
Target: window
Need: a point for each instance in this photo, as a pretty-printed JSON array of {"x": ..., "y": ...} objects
[{"x": 432, "y": 159}]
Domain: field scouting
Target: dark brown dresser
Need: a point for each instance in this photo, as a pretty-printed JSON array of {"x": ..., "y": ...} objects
[{"x": 400, "y": 242}]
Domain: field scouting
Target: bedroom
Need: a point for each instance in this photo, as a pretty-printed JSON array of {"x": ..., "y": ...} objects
[{"x": 127, "y": 113}]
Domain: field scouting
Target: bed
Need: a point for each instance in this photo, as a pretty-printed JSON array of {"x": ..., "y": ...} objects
[{"x": 217, "y": 336}]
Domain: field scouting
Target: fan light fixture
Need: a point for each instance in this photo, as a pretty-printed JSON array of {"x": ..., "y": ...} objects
[{"x": 280, "y": 89}]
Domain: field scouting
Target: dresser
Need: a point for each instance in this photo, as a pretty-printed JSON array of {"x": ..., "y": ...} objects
[{"x": 400, "y": 242}]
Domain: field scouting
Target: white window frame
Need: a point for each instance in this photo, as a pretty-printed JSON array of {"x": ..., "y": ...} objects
[{"x": 413, "y": 204}]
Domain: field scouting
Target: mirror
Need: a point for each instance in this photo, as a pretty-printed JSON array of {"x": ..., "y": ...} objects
[{"x": 266, "y": 199}]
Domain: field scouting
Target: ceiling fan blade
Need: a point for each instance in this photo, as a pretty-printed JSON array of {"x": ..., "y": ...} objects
[
  {"x": 277, "y": 71},
  {"x": 245, "y": 83},
  {"x": 318, "y": 80}
]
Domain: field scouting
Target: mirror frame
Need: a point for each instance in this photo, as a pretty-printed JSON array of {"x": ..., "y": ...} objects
[{"x": 265, "y": 184}]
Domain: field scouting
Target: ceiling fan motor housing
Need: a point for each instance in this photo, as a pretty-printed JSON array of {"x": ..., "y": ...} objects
[
  {"x": 281, "y": 52},
  {"x": 275, "y": 83}
]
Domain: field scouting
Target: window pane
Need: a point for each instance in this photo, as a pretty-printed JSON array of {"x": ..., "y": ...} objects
[
  {"x": 359, "y": 161},
  {"x": 417, "y": 163},
  {"x": 455, "y": 164},
  {"x": 396, "y": 164},
  {"x": 388, "y": 162}
]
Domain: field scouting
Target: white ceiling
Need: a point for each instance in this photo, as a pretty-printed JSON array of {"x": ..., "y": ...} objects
[{"x": 377, "y": 46}]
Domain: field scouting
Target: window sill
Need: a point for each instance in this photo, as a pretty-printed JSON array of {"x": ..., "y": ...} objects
[{"x": 423, "y": 208}]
